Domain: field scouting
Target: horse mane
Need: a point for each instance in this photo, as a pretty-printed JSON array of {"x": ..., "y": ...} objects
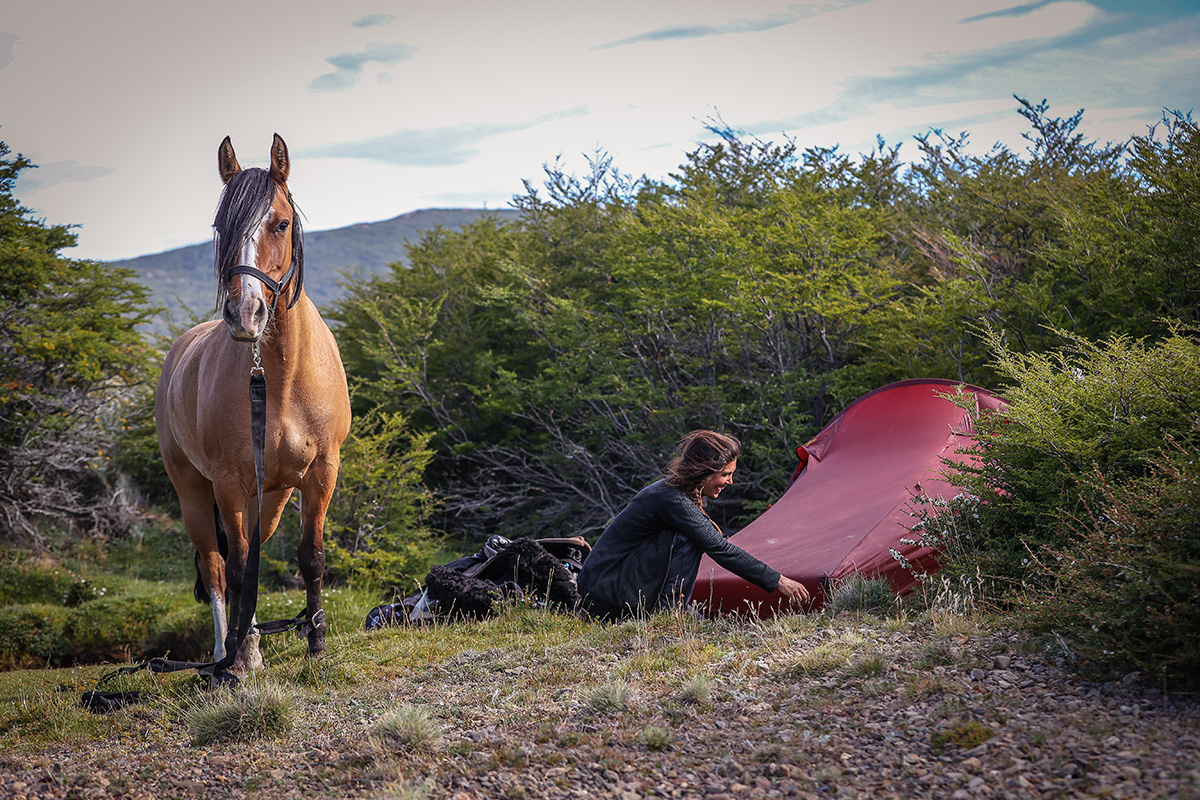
[{"x": 243, "y": 204}]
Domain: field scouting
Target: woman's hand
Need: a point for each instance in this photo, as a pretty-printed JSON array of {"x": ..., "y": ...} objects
[{"x": 792, "y": 590}]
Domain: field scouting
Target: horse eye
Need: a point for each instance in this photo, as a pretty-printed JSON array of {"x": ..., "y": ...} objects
[{"x": 281, "y": 227}]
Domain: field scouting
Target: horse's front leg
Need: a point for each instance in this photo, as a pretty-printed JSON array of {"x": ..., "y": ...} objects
[
  {"x": 315, "y": 495},
  {"x": 240, "y": 517}
]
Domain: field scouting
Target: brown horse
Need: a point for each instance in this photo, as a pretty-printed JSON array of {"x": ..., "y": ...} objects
[{"x": 203, "y": 413}]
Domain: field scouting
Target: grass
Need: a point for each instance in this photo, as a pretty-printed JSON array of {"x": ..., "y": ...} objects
[
  {"x": 407, "y": 728},
  {"x": 609, "y": 697},
  {"x": 862, "y": 594},
  {"x": 514, "y": 668},
  {"x": 254, "y": 710}
]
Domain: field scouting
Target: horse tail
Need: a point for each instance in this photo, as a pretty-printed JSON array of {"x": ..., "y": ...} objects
[{"x": 200, "y": 592}]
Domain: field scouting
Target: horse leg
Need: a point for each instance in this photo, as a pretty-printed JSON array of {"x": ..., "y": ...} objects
[
  {"x": 196, "y": 503},
  {"x": 239, "y": 522},
  {"x": 315, "y": 495},
  {"x": 274, "y": 503}
]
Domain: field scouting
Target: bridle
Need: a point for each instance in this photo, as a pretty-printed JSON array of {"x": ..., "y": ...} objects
[{"x": 276, "y": 286}]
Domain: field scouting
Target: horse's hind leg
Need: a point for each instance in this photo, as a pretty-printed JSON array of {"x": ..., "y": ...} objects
[{"x": 315, "y": 495}]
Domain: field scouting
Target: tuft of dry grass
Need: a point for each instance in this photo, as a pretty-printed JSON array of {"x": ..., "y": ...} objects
[
  {"x": 254, "y": 710},
  {"x": 407, "y": 728}
]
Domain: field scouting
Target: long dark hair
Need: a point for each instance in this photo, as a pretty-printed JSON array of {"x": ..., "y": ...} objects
[
  {"x": 698, "y": 456},
  {"x": 243, "y": 204}
]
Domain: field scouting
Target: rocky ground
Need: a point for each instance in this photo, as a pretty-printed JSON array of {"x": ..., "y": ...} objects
[{"x": 841, "y": 708}]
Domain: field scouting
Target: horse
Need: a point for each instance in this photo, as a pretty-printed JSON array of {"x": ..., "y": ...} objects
[{"x": 266, "y": 323}]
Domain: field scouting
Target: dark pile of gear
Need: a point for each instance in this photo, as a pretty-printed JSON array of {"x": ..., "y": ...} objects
[{"x": 543, "y": 570}]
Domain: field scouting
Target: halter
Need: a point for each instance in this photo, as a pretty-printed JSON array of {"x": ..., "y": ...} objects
[{"x": 275, "y": 286}]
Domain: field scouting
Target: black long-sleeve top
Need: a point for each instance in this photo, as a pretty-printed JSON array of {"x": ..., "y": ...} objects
[{"x": 627, "y": 569}]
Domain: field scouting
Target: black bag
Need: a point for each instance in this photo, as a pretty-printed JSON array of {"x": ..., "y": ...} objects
[{"x": 470, "y": 587}]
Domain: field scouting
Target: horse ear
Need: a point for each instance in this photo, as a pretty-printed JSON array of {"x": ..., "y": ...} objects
[
  {"x": 227, "y": 163},
  {"x": 279, "y": 160}
]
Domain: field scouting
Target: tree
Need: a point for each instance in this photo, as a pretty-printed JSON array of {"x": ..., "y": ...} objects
[{"x": 69, "y": 356}]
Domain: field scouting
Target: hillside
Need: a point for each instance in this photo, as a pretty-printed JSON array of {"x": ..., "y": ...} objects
[{"x": 181, "y": 279}]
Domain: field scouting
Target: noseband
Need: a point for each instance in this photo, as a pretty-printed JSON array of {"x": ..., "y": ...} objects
[{"x": 275, "y": 286}]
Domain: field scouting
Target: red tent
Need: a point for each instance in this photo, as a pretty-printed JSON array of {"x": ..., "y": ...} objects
[{"x": 849, "y": 501}]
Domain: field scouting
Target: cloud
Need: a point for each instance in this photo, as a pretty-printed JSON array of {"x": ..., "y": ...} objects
[
  {"x": 1088, "y": 58},
  {"x": 47, "y": 175},
  {"x": 349, "y": 66},
  {"x": 699, "y": 31},
  {"x": 434, "y": 147},
  {"x": 734, "y": 26},
  {"x": 7, "y": 42},
  {"x": 1012, "y": 11},
  {"x": 373, "y": 21}
]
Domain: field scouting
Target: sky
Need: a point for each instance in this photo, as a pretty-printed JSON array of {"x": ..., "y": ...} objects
[{"x": 390, "y": 107}]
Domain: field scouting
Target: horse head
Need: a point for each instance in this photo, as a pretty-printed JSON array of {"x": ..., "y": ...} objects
[{"x": 258, "y": 242}]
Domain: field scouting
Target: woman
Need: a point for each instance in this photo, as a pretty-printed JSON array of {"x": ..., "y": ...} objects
[{"x": 648, "y": 556}]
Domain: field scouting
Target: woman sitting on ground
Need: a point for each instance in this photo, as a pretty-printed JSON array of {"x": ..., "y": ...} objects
[{"x": 648, "y": 556}]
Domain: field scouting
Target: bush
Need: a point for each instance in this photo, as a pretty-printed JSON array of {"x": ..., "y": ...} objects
[
  {"x": 1072, "y": 511},
  {"x": 1087, "y": 408},
  {"x": 132, "y": 627},
  {"x": 1127, "y": 589},
  {"x": 31, "y": 636},
  {"x": 375, "y": 529},
  {"x": 30, "y": 582}
]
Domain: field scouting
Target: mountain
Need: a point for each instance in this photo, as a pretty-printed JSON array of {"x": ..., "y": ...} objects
[{"x": 182, "y": 279}]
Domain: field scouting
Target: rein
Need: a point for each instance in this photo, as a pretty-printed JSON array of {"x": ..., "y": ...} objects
[{"x": 218, "y": 672}]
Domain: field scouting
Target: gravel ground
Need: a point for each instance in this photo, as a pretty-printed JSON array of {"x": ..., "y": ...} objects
[{"x": 908, "y": 713}]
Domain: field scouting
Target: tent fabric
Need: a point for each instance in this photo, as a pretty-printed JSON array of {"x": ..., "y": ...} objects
[{"x": 851, "y": 499}]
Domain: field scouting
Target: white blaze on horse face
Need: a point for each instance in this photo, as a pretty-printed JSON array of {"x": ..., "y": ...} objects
[{"x": 252, "y": 301}]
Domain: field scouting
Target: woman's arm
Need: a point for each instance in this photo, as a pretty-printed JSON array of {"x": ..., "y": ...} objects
[{"x": 682, "y": 514}]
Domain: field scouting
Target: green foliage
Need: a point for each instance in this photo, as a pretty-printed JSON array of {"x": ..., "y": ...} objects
[
  {"x": 375, "y": 531},
  {"x": 1127, "y": 584},
  {"x": 69, "y": 357},
  {"x": 1084, "y": 408},
  {"x": 1073, "y": 513},
  {"x": 32, "y": 636}
]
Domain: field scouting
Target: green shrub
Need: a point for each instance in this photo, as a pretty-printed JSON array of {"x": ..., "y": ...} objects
[
  {"x": 30, "y": 582},
  {"x": 32, "y": 635},
  {"x": 116, "y": 628},
  {"x": 1073, "y": 512},
  {"x": 375, "y": 530},
  {"x": 1104, "y": 406},
  {"x": 1127, "y": 589}
]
